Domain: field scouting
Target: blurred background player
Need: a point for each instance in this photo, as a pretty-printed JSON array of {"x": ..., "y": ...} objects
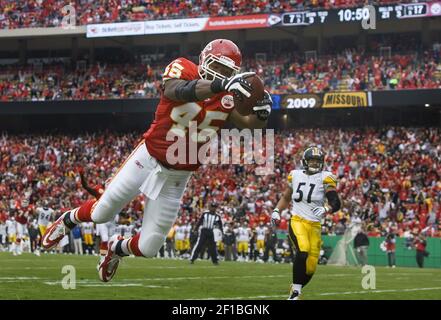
[
  {"x": 180, "y": 238},
  {"x": 11, "y": 229},
  {"x": 169, "y": 242},
  {"x": 243, "y": 236},
  {"x": 218, "y": 235},
  {"x": 87, "y": 231},
  {"x": 188, "y": 89},
  {"x": 45, "y": 215},
  {"x": 307, "y": 191},
  {"x": 21, "y": 220},
  {"x": 187, "y": 242},
  {"x": 261, "y": 231}
]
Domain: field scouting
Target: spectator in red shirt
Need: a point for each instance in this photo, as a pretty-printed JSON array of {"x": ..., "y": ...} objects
[
  {"x": 390, "y": 249},
  {"x": 420, "y": 246}
]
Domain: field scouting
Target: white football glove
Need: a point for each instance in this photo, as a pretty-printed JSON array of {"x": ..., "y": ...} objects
[
  {"x": 319, "y": 211},
  {"x": 275, "y": 217},
  {"x": 238, "y": 83}
]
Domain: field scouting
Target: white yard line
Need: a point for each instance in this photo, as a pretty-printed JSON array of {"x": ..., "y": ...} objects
[
  {"x": 87, "y": 283},
  {"x": 123, "y": 285},
  {"x": 377, "y": 291},
  {"x": 321, "y": 294},
  {"x": 20, "y": 278}
]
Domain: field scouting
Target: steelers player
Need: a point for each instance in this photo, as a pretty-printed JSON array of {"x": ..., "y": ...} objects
[{"x": 308, "y": 191}]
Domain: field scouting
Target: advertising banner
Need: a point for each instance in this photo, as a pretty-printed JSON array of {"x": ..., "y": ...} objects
[
  {"x": 115, "y": 29},
  {"x": 345, "y": 100},
  {"x": 182, "y": 25},
  {"x": 175, "y": 26},
  {"x": 239, "y": 22}
]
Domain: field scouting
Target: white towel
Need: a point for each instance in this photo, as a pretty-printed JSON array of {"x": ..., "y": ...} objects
[{"x": 154, "y": 182}]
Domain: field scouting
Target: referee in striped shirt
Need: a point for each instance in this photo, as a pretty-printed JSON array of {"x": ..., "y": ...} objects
[{"x": 209, "y": 220}]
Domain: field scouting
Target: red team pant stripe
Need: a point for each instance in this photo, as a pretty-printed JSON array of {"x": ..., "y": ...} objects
[
  {"x": 84, "y": 213},
  {"x": 133, "y": 245}
]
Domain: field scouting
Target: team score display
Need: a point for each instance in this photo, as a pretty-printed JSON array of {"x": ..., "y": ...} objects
[
  {"x": 249, "y": 309},
  {"x": 304, "y": 18},
  {"x": 410, "y": 10}
]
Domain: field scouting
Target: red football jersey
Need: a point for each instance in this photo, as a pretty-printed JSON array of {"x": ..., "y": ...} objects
[{"x": 173, "y": 118}]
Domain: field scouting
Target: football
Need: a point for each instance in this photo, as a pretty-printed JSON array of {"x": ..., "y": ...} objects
[{"x": 245, "y": 105}]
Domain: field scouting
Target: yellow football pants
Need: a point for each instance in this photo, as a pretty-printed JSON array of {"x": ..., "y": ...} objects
[
  {"x": 88, "y": 239},
  {"x": 42, "y": 229},
  {"x": 305, "y": 235},
  {"x": 242, "y": 247},
  {"x": 179, "y": 245},
  {"x": 260, "y": 244},
  {"x": 187, "y": 244}
]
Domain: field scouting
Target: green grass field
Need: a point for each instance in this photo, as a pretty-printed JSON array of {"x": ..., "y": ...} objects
[{"x": 32, "y": 277}]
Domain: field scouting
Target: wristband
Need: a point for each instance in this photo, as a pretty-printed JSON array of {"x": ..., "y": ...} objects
[{"x": 216, "y": 86}]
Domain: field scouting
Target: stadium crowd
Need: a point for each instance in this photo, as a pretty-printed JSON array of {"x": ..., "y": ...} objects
[
  {"x": 38, "y": 13},
  {"x": 389, "y": 179},
  {"x": 350, "y": 70}
]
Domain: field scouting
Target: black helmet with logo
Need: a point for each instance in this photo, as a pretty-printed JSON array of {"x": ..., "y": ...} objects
[{"x": 313, "y": 160}]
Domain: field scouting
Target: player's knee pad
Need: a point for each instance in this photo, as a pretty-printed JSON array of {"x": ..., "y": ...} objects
[{"x": 311, "y": 265}]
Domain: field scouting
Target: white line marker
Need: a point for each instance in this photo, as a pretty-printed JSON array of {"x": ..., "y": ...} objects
[
  {"x": 320, "y": 294},
  {"x": 377, "y": 291}
]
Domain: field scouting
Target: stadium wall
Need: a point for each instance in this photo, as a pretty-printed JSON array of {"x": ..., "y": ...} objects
[
  {"x": 404, "y": 257},
  {"x": 391, "y": 98}
]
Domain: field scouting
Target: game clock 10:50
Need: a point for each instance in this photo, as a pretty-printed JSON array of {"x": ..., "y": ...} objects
[{"x": 347, "y": 15}]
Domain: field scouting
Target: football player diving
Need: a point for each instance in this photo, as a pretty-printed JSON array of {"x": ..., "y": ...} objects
[{"x": 312, "y": 192}]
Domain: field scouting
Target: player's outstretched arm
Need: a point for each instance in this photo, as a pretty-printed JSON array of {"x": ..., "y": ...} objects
[
  {"x": 200, "y": 89},
  {"x": 285, "y": 200},
  {"x": 188, "y": 91},
  {"x": 281, "y": 205},
  {"x": 86, "y": 186}
]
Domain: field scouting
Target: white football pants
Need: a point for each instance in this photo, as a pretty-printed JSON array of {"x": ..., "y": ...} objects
[{"x": 162, "y": 187}]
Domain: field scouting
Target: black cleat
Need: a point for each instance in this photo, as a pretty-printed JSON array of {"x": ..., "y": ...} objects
[{"x": 294, "y": 295}]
